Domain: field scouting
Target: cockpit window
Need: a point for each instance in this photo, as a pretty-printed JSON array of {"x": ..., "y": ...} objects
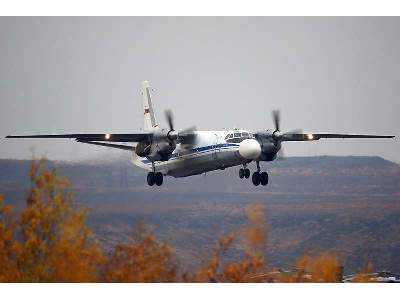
[{"x": 237, "y": 137}]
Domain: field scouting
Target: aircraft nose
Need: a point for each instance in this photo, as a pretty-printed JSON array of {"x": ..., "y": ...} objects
[{"x": 250, "y": 149}]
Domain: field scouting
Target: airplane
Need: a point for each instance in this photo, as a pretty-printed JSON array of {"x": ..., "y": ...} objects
[{"x": 168, "y": 152}]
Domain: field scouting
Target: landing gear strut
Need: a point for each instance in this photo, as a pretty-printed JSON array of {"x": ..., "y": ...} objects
[
  {"x": 154, "y": 177},
  {"x": 258, "y": 177}
]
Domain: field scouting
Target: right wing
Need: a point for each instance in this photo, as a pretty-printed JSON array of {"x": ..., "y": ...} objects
[
  {"x": 95, "y": 139},
  {"x": 83, "y": 137}
]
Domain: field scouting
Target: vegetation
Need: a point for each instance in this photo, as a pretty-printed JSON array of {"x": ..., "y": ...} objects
[{"x": 49, "y": 241}]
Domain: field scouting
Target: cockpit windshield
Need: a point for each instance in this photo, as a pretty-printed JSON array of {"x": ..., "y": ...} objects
[{"x": 238, "y": 136}]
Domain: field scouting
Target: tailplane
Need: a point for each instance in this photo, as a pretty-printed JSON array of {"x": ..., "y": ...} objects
[{"x": 149, "y": 117}]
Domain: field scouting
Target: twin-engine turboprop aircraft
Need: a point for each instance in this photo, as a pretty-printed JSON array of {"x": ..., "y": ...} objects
[{"x": 189, "y": 152}]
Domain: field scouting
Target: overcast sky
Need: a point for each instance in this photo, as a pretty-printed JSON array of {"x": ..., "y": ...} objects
[{"x": 82, "y": 75}]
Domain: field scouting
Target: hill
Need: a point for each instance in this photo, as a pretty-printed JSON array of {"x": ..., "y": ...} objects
[{"x": 349, "y": 205}]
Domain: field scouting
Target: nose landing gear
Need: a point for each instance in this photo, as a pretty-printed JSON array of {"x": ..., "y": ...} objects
[{"x": 244, "y": 173}]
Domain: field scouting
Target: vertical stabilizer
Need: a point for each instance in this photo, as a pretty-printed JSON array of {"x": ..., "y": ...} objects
[{"x": 148, "y": 111}]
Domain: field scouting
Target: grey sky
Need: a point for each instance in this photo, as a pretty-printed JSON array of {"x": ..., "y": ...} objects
[{"x": 78, "y": 75}]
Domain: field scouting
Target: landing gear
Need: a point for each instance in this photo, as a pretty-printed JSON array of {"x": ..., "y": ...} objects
[
  {"x": 264, "y": 178},
  {"x": 256, "y": 178},
  {"x": 259, "y": 178},
  {"x": 244, "y": 173},
  {"x": 159, "y": 178},
  {"x": 151, "y": 179},
  {"x": 155, "y": 178}
]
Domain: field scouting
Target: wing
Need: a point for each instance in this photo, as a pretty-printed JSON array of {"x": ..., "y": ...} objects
[
  {"x": 317, "y": 136},
  {"x": 83, "y": 137},
  {"x": 94, "y": 139}
]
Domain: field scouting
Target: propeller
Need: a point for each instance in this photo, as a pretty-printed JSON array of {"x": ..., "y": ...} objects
[
  {"x": 278, "y": 136},
  {"x": 276, "y": 116},
  {"x": 170, "y": 119},
  {"x": 186, "y": 136}
]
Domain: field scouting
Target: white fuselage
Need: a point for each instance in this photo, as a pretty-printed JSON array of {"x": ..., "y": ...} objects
[{"x": 212, "y": 150}]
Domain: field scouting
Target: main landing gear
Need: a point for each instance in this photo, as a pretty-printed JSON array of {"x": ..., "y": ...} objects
[
  {"x": 155, "y": 178},
  {"x": 257, "y": 178}
]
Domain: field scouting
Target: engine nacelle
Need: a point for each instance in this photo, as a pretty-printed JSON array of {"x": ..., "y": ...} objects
[
  {"x": 143, "y": 149},
  {"x": 159, "y": 151}
]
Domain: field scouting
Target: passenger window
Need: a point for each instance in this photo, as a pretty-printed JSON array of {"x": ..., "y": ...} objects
[
  {"x": 237, "y": 134},
  {"x": 245, "y": 135}
]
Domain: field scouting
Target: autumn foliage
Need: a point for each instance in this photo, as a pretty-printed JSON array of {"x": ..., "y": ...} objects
[{"x": 49, "y": 241}]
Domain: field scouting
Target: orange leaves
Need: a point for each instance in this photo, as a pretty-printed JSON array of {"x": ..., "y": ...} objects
[
  {"x": 143, "y": 260},
  {"x": 50, "y": 242},
  {"x": 365, "y": 275},
  {"x": 252, "y": 238},
  {"x": 54, "y": 244},
  {"x": 9, "y": 248}
]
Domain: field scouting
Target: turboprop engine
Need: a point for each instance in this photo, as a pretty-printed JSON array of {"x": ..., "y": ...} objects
[
  {"x": 156, "y": 151},
  {"x": 163, "y": 142}
]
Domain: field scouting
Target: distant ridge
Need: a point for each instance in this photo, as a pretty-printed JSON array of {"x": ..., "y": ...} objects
[{"x": 294, "y": 174}]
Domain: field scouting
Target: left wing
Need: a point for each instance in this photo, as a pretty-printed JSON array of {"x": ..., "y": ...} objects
[{"x": 317, "y": 136}]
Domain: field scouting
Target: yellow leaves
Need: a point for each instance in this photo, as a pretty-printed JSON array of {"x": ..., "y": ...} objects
[
  {"x": 364, "y": 276},
  {"x": 252, "y": 237},
  {"x": 143, "y": 260},
  {"x": 55, "y": 243},
  {"x": 254, "y": 234},
  {"x": 50, "y": 242}
]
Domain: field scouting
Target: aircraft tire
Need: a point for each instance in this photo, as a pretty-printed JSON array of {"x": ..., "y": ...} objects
[
  {"x": 264, "y": 178},
  {"x": 246, "y": 173},
  {"x": 256, "y": 178},
  {"x": 150, "y": 179},
  {"x": 241, "y": 173},
  {"x": 159, "y": 178}
]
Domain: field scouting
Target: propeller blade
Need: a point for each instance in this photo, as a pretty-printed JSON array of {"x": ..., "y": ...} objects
[
  {"x": 277, "y": 119},
  {"x": 294, "y": 131},
  {"x": 280, "y": 154},
  {"x": 170, "y": 119},
  {"x": 188, "y": 136},
  {"x": 190, "y": 129}
]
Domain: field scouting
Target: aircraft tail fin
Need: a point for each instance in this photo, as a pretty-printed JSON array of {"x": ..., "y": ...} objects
[{"x": 148, "y": 110}]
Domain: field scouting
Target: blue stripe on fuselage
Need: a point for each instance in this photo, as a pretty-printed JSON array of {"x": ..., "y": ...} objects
[{"x": 200, "y": 150}]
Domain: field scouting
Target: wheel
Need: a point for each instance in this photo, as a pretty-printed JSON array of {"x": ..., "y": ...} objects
[
  {"x": 246, "y": 173},
  {"x": 150, "y": 178},
  {"x": 256, "y": 178},
  {"x": 159, "y": 178},
  {"x": 241, "y": 173},
  {"x": 264, "y": 178}
]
